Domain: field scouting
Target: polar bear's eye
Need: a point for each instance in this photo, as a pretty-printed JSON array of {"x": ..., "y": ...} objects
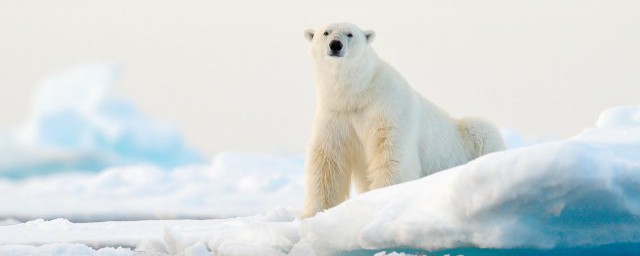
[
  {"x": 350, "y": 35},
  {"x": 326, "y": 33}
]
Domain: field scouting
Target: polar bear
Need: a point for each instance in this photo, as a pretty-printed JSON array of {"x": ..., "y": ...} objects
[{"x": 372, "y": 127}]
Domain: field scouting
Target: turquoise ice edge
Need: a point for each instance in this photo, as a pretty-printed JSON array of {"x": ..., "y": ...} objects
[{"x": 618, "y": 249}]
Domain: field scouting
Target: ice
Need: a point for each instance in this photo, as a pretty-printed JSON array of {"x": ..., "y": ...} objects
[
  {"x": 53, "y": 225},
  {"x": 267, "y": 234},
  {"x": 513, "y": 139},
  {"x": 234, "y": 184},
  {"x": 384, "y": 253},
  {"x": 619, "y": 116},
  {"x": 553, "y": 195},
  {"x": 77, "y": 124},
  {"x": 197, "y": 249},
  {"x": 63, "y": 249},
  {"x": 9, "y": 221}
]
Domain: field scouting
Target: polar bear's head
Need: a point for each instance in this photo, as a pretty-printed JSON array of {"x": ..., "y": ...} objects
[{"x": 338, "y": 42}]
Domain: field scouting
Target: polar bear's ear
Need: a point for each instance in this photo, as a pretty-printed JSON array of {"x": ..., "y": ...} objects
[
  {"x": 370, "y": 35},
  {"x": 308, "y": 34}
]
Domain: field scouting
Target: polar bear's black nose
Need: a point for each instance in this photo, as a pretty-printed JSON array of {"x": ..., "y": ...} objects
[{"x": 335, "y": 45}]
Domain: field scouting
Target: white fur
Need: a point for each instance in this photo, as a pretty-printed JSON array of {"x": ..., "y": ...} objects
[{"x": 371, "y": 126}]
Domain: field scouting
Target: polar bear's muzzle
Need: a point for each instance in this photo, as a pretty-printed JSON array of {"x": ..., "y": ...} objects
[{"x": 335, "y": 48}]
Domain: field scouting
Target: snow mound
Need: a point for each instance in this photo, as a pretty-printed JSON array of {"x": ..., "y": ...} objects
[
  {"x": 53, "y": 225},
  {"x": 583, "y": 191},
  {"x": 619, "y": 116},
  {"x": 235, "y": 184},
  {"x": 77, "y": 124}
]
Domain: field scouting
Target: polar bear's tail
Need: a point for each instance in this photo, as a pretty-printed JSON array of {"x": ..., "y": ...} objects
[{"x": 480, "y": 136}]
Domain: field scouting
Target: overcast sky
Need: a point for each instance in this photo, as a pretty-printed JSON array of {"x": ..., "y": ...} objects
[{"x": 235, "y": 75}]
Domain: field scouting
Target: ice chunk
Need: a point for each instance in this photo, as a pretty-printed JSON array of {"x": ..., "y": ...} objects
[
  {"x": 619, "y": 116},
  {"x": 77, "y": 124},
  {"x": 52, "y": 225}
]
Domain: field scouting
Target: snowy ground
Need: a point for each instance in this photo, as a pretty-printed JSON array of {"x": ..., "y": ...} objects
[
  {"x": 571, "y": 197},
  {"x": 235, "y": 184}
]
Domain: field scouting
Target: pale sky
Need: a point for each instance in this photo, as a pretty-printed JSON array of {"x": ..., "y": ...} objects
[{"x": 235, "y": 75}]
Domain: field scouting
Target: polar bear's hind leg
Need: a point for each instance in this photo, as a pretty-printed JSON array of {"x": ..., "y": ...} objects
[{"x": 480, "y": 137}]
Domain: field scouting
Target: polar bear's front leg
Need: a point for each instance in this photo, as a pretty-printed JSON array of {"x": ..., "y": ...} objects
[
  {"x": 327, "y": 177},
  {"x": 384, "y": 157}
]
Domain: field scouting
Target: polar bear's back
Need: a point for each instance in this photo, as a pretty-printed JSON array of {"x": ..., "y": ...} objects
[
  {"x": 433, "y": 139},
  {"x": 441, "y": 144}
]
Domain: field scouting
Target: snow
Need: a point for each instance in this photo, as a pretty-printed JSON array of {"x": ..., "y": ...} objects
[
  {"x": 564, "y": 194},
  {"x": 571, "y": 197},
  {"x": 235, "y": 184},
  {"x": 77, "y": 124},
  {"x": 63, "y": 249},
  {"x": 9, "y": 221},
  {"x": 619, "y": 116},
  {"x": 384, "y": 253},
  {"x": 513, "y": 139},
  {"x": 268, "y": 234}
]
